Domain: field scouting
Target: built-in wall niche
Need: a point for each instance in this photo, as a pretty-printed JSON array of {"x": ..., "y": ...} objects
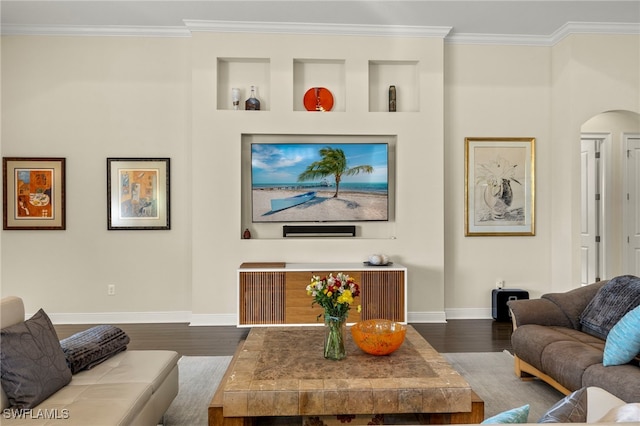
[
  {"x": 242, "y": 73},
  {"x": 404, "y": 76},
  {"x": 312, "y": 73},
  {"x": 264, "y": 222}
]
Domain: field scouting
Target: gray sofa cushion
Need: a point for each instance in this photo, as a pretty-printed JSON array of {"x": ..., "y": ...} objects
[
  {"x": 90, "y": 347},
  {"x": 573, "y": 302},
  {"x": 32, "y": 362},
  {"x": 610, "y": 304}
]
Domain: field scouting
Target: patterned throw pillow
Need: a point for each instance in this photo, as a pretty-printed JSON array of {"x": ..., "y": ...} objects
[
  {"x": 516, "y": 415},
  {"x": 32, "y": 362},
  {"x": 613, "y": 300},
  {"x": 623, "y": 341},
  {"x": 570, "y": 409}
]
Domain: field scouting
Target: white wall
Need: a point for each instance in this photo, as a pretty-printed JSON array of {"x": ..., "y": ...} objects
[
  {"x": 494, "y": 91},
  {"x": 88, "y": 98}
]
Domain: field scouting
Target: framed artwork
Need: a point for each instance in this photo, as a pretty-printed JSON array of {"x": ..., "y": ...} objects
[
  {"x": 499, "y": 186},
  {"x": 138, "y": 194},
  {"x": 33, "y": 193}
]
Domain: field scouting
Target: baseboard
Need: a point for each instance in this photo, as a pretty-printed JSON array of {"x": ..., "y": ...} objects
[
  {"x": 119, "y": 317},
  {"x": 231, "y": 319}
]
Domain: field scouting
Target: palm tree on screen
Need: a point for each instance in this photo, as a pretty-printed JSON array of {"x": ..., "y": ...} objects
[{"x": 333, "y": 163}]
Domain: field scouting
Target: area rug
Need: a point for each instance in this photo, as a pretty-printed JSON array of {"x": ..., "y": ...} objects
[{"x": 490, "y": 374}]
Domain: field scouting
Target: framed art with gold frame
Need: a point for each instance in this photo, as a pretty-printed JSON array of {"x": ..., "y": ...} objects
[
  {"x": 33, "y": 193},
  {"x": 499, "y": 186},
  {"x": 138, "y": 196}
]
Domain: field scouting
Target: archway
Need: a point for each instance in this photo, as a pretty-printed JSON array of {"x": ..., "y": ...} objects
[{"x": 609, "y": 185}]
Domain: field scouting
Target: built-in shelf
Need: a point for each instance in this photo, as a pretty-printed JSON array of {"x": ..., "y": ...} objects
[
  {"x": 327, "y": 73},
  {"x": 242, "y": 73},
  {"x": 401, "y": 74}
]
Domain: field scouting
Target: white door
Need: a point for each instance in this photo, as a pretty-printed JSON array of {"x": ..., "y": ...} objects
[
  {"x": 589, "y": 207},
  {"x": 632, "y": 213}
]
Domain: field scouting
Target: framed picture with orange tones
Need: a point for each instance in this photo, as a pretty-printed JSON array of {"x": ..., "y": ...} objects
[
  {"x": 138, "y": 196},
  {"x": 33, "y": 193}
]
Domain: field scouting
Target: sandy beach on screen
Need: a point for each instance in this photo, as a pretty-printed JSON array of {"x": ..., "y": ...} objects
[{"x": 348, "y": 206}]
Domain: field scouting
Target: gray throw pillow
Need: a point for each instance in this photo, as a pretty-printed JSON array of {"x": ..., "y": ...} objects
[
  {"x": 32, "y": 363},
  {"x": 570, "y": 409},
  {"x": 613, "y": 300}
]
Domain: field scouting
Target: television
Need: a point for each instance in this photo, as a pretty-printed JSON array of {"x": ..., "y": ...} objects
[{"x": 319, "y": 182}]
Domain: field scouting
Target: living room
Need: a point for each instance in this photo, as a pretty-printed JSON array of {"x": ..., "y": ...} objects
[
  {"x": 88, "y": 98},
  {"x": 91, "y": 92}
]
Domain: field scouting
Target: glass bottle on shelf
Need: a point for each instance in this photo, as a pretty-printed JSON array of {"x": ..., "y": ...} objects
[{"x": 252, "y": 104}]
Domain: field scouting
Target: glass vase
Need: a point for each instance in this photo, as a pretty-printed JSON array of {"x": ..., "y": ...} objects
[{"x": 334, "y": 335}]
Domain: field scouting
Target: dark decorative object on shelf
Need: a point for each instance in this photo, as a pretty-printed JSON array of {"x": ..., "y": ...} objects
[
  {"x": 252, "y": 104},
  {"x": 246, "y": 234},
  {"x": 392, "y": 98}
]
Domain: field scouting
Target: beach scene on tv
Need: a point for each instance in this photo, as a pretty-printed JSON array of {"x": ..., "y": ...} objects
[{"x": 312, "y": 182}]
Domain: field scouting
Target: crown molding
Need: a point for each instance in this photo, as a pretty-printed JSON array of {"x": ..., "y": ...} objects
[
  {"x": 191, "y": 26},
  {"x": 498, "y": 39},
  {"x": 527, "y": 40},
  {"x": 322, "y": 29},
  {"x": 227, "y": 26},
  {"x": 594, "y": 28},
  {"x": 94, "y": 30}
]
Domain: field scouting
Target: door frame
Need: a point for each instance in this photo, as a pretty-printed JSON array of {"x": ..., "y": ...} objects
[
  {"x": 626, "y": 220},
  {"x": 604, "y": 188}
]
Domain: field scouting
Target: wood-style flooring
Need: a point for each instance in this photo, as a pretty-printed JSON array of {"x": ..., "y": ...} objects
[{"x": 454, "y": 336}]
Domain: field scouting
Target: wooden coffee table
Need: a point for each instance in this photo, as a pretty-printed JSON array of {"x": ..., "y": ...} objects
[{"x": 281, "y": 371}]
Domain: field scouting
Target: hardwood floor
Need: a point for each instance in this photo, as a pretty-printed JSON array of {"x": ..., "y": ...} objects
[{"x": 454, "y": 336}]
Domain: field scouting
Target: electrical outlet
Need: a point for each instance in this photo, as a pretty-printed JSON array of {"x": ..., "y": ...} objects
[
  {"x": 111, "y": 290},
  {"x": 499, "y": 284}
]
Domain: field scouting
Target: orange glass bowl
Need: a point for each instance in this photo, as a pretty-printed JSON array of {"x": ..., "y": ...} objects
[{"x": 378, "y": 336}]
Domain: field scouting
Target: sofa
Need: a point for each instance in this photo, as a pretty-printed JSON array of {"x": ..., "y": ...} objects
[
  {"x": 561, "y": 337},
  {"x": 126, "y": 387}
]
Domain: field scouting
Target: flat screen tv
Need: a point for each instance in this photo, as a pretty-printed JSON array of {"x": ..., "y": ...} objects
[{"x": 319, "y": 182}]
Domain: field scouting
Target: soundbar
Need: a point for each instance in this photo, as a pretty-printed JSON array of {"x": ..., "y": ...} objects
[{"x": 319, "y": 231}]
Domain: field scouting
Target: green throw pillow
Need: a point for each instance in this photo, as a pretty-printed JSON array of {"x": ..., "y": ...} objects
[
  {"x": 623, "y": 341},
  {"x": 516, "y": 415}
]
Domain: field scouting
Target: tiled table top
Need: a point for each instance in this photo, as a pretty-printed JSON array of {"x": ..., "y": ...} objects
[{"x": 281, "y": 371}]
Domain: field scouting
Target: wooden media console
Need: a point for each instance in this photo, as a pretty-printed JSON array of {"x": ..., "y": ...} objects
[{"x": 275, "y": 293}]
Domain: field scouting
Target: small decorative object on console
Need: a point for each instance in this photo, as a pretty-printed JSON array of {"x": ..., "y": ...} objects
[
  {"x": 336, "y": 295},
  {"x": 378, "y": 336},
  {"x": 378, "y": 260}
]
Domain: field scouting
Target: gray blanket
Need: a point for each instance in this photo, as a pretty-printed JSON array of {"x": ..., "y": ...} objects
[{"x": 90, "y": 347}]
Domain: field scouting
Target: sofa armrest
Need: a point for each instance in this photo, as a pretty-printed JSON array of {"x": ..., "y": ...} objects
[{"x": 537, "y": 311}]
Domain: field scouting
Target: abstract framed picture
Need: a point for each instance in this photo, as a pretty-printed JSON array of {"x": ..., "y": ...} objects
[
  {"x": 499, "y": 186},
  {"x": 138, "y": 194},
  {"x": 33, "y": 193}
]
